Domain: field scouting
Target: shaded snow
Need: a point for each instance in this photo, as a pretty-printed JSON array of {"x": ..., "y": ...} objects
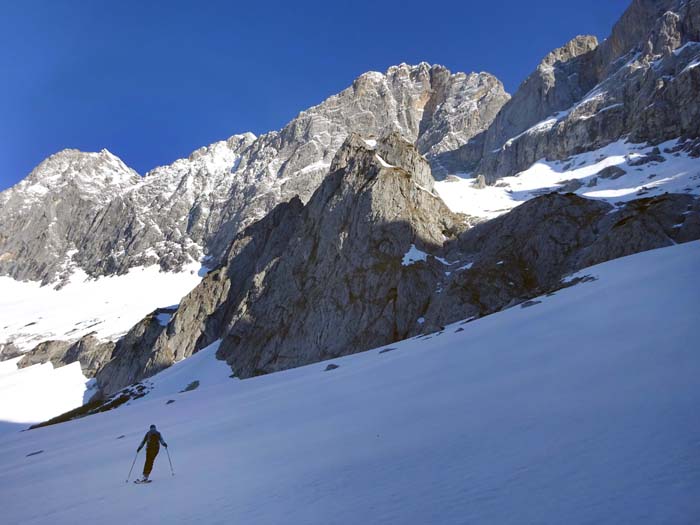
[
  {"x": 579, "y": 409},
  {"x": 163, "y": 318},
  {"x": 39, "y": 392},
  {"x": 413, "y": 255}
]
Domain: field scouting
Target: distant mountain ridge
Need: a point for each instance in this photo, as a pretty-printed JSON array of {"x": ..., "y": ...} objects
[{"x": 105, "y": 220}]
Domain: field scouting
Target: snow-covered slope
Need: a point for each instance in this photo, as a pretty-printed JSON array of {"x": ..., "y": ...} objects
[
  {"x": 579, "y": 407},
  {"x": 108, "y": 306},
  {"x": 616, "y": 173}
]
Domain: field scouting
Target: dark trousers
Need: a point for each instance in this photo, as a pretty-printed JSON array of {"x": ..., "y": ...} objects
[{"x": 151, "y": 454}]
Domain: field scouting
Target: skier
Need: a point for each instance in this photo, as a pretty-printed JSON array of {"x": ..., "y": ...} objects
[{"x": 152, "y": 440}]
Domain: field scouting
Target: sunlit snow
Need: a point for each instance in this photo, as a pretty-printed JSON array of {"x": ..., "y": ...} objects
[
  {"x": 108, "y": 306},
  {"x": 679, "y": 173}
]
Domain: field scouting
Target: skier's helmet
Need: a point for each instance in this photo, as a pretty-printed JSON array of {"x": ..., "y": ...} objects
[{"x": 153, "y": 427}]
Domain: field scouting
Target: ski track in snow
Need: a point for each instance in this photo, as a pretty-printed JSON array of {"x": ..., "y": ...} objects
[
  {"x": 580, "y": 409},
  {"x": 678, "y": 174}
]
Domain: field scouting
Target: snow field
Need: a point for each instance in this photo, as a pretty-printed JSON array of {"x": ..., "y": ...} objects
[
  {"x": 109, "y": 306},
  {"x": 579, "y": 409},
  {"x": 679, "y": 173}
]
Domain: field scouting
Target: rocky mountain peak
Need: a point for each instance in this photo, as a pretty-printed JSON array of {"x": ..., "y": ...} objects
[
  {"x": 437, "y": 110},
  {"x": 404, "y": 69},
  {"x": 556, "y": 83},
  {"x": 395, "y": 150},
  {"x": 71, "y": 163},
  {"x": 633, "y": 30},
  {"x": 575, "y": 47},
  {"x": 94, "y": 177},
  {"x": 46, "y": 216}
]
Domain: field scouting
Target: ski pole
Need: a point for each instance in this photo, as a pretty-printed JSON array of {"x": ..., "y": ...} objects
[
  {"x": 171, "y": 463},
  {"x": 132, "y": 466}
]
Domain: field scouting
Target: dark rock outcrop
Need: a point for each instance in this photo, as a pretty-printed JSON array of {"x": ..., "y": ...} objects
[
  {"x": 527, "y": 252},
  {"x": 342, "y": 285},
  {"x": 611, "y": 172},
  {"x": 135, "y": 349},
  {"x": 91, "y": 352}
]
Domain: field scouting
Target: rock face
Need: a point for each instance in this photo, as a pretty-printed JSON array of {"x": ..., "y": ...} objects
[
  {"x": 46, "y": 218},
  {"x": 167, "y": 215},
  {"x": 342, "y": 286},
  {"x": 561, "y": 79},
  {"x": 134, "y": 349},
  {"x": 89, "y": 210},
  {"x": 316, "y": 280},
  {"x": 375, "y": 257},
  {"x": 643, "y": 82}
]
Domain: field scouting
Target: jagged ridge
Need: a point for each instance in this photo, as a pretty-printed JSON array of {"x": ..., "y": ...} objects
[{"x": 193, "y": 208}]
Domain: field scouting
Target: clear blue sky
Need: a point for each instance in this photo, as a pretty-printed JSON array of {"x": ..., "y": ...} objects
[{"x": 153, "y": 80}]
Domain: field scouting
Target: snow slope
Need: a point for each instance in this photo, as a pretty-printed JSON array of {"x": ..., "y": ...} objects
[
  {"x": 110, "y": 306},
  {"x": 39, "y": 392},
  {"x": 677, "y": 173},
  {"x": 580, "y": 407}
]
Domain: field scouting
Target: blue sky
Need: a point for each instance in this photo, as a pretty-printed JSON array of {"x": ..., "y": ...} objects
[{"x": 152, "y": 81}]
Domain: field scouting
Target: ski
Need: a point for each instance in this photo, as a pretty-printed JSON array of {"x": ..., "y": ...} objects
[{"x": 142, "y": 481}]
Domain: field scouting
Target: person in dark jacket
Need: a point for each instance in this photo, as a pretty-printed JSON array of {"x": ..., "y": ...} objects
[{"x": 153, "y": 440}]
